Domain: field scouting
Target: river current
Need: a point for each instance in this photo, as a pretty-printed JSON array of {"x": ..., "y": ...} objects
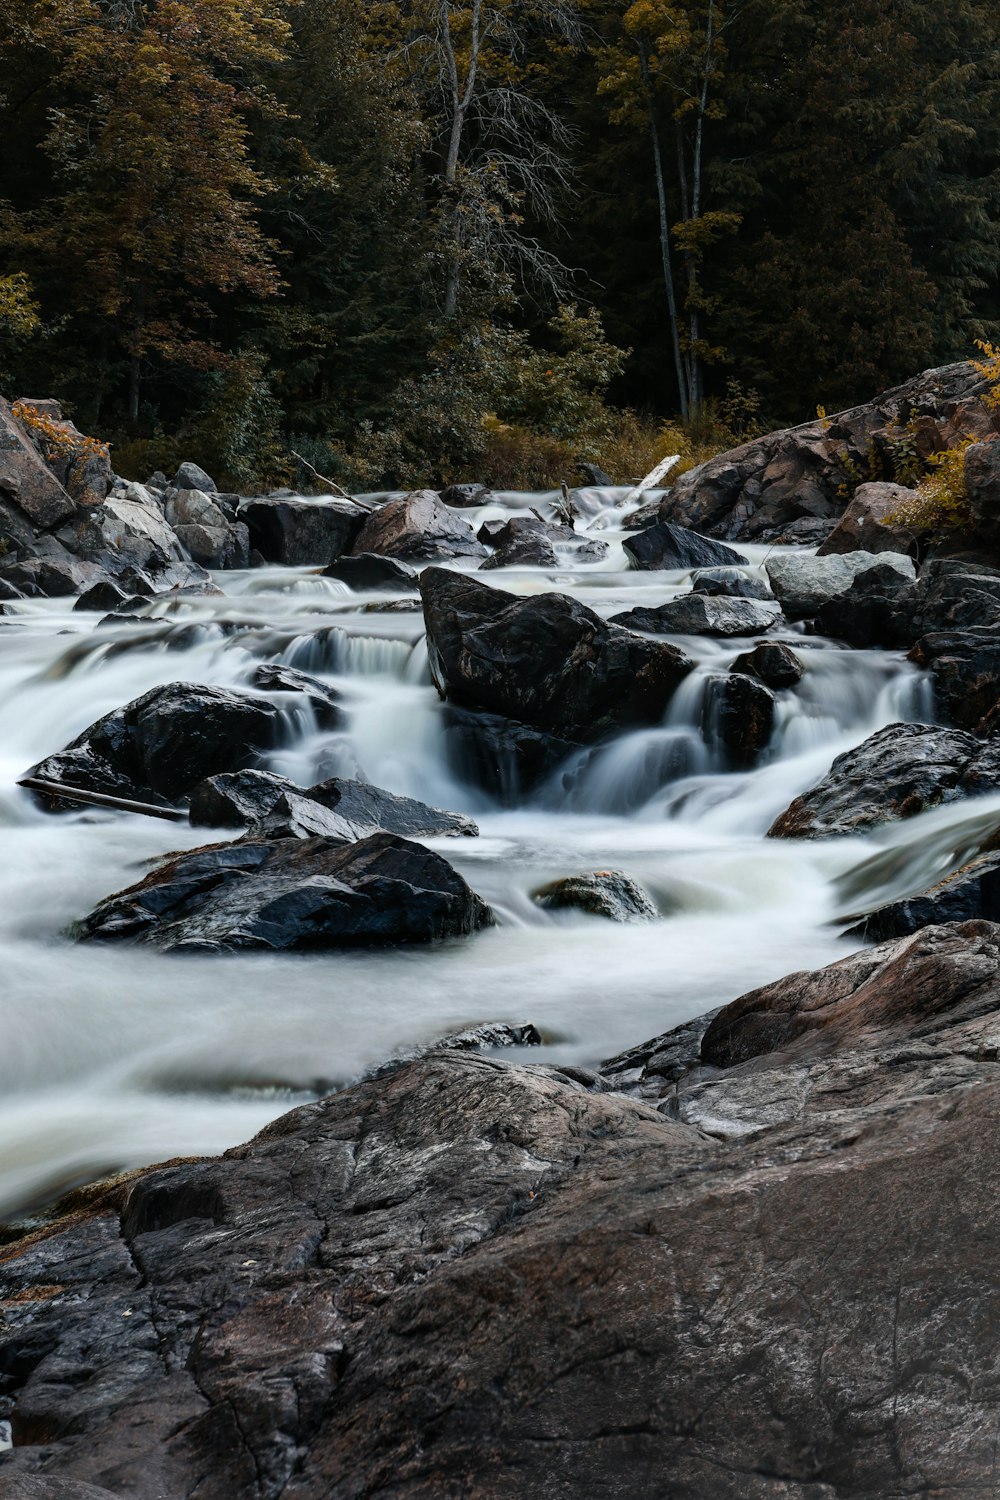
[{"x": 113, "y": 1056}]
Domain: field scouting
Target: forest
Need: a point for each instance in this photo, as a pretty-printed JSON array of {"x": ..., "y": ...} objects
[{"x": 415, "y": 241}]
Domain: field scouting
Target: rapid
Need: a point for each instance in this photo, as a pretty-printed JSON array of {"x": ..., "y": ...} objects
[{"x": 114, "y": 1057}]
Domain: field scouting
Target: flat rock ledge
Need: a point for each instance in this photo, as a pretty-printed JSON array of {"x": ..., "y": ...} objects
[{"x": 753, "y": 1259}]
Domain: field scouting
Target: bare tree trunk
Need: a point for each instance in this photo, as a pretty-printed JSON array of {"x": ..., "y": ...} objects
[
  {"x": 668, "y": 273},
  {"x": 461, "y": 98},
  {"x": 697, "y": 381}
]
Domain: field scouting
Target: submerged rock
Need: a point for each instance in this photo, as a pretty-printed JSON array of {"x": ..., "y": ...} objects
[
  {"x": 159, "y": 746},
  {"x": 739, "y": 715},
  {"x": 322, "y": 699},
  {"x": 897, "y": 772},
  {"x": 733, "y": 583},
  {"x": 287, "y": 893},
  {"x": 546, "y": 660},
  {"x": 774, "y": 664},
  {"x": 529, "y": 550},
  {"x": 465, "y": 495},
  {"x": 971, "y": 893},
  {"x": 666, "y": 545},
  {"x": 366, "y": 572},
  {"x": 503, "y": 757},
  {"x": 603, "y": 893}
]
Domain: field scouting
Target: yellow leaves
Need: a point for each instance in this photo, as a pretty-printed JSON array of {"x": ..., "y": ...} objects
[
  {"x": 19, "y": 312},
  {"x": 57, "y": 440},
  {"x": 989, "y": 369}
]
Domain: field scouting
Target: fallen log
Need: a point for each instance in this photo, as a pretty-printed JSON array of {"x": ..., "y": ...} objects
[{"x": 65, "y": 793}]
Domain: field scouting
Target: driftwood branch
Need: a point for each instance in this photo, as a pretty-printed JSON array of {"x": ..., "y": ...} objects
[
  {"x": 331, "y": 484},
  {"x": 564, "y": 507},
  {"x": 102, "y": 799}
]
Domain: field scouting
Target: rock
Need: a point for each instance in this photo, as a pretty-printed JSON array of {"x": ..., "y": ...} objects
[
  {"x": 738, "y": 715},
  {"x": 300, "y": 532},
  {"x": 877, "y": 610},
  {"x": 965, "y": 665},
  {"x": 971, "y": 893},
  {"x": 159, "y": 482},
  {"x": 367, "y": 572},
  {"x": 53, "y": 577},
  {"x": 470, "y": 1272},
  {"x": 190, "y": 477},
  {"x": 338, "y": 808},
  {"x": 490, "y": 1034},
  {"x": 159, "y": 746},
  {"x": 870, "y": 523},
  {"x": 26, "y": 480},
  {"x": 291, "y": 893},
  {"x": 38, "y": 1487},
  {"x": 103, "y": 597},
  {"x": 775, "y": 665},
  {"x": 501, "y": 756},
  {"x": 525, "y": 551},
  {"x": 764, "y": 488},
  {"x": 900, "y": 989},
  {"x": 896, "y": 773},
  {"x": 668, "y": 546},
  {"x": 204, "y": 530},
  {"x": 982, "y": 485},
  {"x": 604, "y": 893},
  {"x": 594, "y": 475},
  {"x": 731, "y": 582},
  {"x": 9, "y": 591},
  {"x": 417, "y": 528},
  {"x": 236, "y": 799},
  {"x": 465, "y": 496},
  {"x": 702, "y": 614},
  {"x": 546, "y": 660},
  {"x": 804, "y": 584},
  {"x": 324, "y": 701}
]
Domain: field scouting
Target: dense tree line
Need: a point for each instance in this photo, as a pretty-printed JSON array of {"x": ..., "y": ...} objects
[{"x": 412, "y": 239}]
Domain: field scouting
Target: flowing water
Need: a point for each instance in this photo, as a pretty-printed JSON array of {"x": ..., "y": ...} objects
[{"x": 116, "y": 1056}]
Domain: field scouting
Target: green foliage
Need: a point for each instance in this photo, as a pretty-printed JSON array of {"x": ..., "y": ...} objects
[{"x": 942, "y": 500}]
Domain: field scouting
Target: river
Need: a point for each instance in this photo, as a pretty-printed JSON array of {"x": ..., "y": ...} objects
[{"x": 113, "y": 1057}]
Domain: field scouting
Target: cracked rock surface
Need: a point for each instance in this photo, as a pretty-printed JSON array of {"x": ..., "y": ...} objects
[{"x": 753, "y": 1259}]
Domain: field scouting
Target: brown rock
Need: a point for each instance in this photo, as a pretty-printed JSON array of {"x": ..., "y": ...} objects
[
  {"x": 870, "y": 524},
  {"x": 418, "y": 528},
  {"x": 26, "y": 480}
]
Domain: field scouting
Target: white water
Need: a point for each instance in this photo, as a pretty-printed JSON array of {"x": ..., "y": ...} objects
[{"x": 116, "y": 1056}]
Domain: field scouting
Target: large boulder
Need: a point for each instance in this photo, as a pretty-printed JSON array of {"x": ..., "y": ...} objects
[
  {"x": 301, "y": 532},
  {"x": 417, "y": 528},
  {"x": 896, "y": 773},
  {"x": 367, "y": 573},
  {"x": 982, "y": 485},
  {"x": 26, "y": 480},
  {"x": 965, "y": 666},
  {"x": 465, "y": 496},
  {"x": 336, "y": 808},
  {"x": 702, "y": 614},
  {"x": 665, "y": 546},
  {"x": 292, "y": 893},
  {"x": 757, "y": 1275},
  {"x": 733, "y": 583},
  {"x": 158, "y": 747},
  {"x": 738, "y": 717},
  {"x": 804, "y": 584},
  {"x": 601, "y": 893},
  {"x": 191, "y": 476},
  {"x": 765, "y": 488},
  {"x": 204, "y": 530},
  {"x": 872, "y": 523},
  {"x": 529, "y": 550},
  {"x": 546, "y": 660},
  {"x": 774, "y": 664}
]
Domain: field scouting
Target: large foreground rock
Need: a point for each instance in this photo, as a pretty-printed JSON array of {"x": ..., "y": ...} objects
[
  {"x": 159, "y": 746},
  {"x": 762, "y": 1269},
  {"x": 804, "y": 584},
  {"x": 896, "y": 773},
  {"x": 290, "y": 893},
  {"x": 965, "y": 665},
  {"x": 547, "y": 660},
  {"x": 301, "y": 532},
  {"x": 874, "y": 522}
]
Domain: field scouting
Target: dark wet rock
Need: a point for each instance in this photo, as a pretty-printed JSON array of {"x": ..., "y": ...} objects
[
  {"x": 472, "y": 1267},
  {"x": 9, "y": 591},
  {"x": 876, "y": 610},
  {"x": 40, "y": 1487},
  {"x": 804, "y": 584},
  {"x": 465, "y": 495},
  {"x": 602, "y": 893},
  {"x": 323, "y": 700},
  {"x": 702, "y": 614},
  {"x": 159, "y": 746},
  {"x": 764, "y": 488},
  {"x": 738, "y": 714},
  {"x": 236, "y": 799},
  {"x": 191, "y": 476},
  {"x": 417, "y": 528},
  {"x": 532, "y": 551},
  {"x": 520, "y": 528},
  {"x": 982, "y": 485},
  {"x": 873, "y": 522},
  {"x": 896, "y": 773},
  {"x": 501, "y": 756},
  {"x": 668, "y": 546},
  {"x": 971, "y": 893},
  {"x": 367, "y": 572},
  {"x": 593, "y": 475},
  {"x": 646, "y": 515},
  {"x": 547, "y": 660},
  {"x": 776, "y": 665},
  {"x": 54, "y": 577},
  {"x": 292, "y": 893},
  {"x": 733, "y": 583},
  {"x": 965, "y": 665},
  {"x": 301, "y": 532},
  {"x": 491, "y": 1034},
  {"x": 103, "y": 597}
]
